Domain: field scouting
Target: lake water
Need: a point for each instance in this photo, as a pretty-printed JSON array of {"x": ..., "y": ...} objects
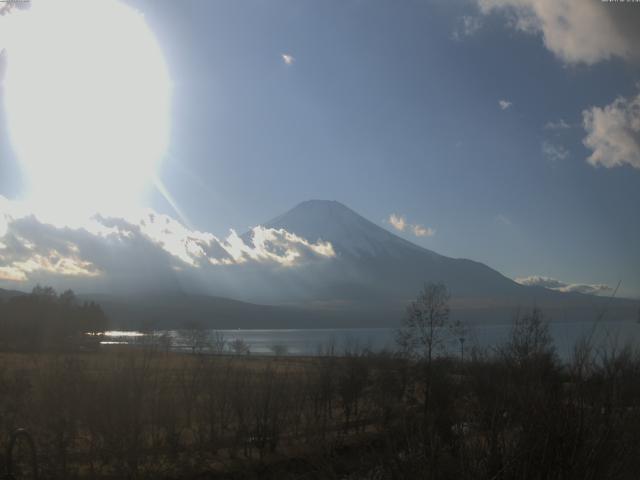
[{"x": 318, "y": 341}]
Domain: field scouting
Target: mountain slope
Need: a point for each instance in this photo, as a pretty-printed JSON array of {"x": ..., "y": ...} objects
[
  {"x": 174, "y": 310},
  {"x": 395, "y": 264},
  {"x": 7, "y": 294},
  {"x": 349, "y": 233},
  {"x": 379, "y": 270}
]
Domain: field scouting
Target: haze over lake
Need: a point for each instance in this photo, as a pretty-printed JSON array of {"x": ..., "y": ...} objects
[{"x": 604, "y": 335}]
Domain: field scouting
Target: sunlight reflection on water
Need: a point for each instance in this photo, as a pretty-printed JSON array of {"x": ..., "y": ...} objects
[{"x": 123, "y": 333}]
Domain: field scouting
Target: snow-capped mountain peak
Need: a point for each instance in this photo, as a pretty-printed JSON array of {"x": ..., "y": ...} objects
[{"x": 348, "y": 232}]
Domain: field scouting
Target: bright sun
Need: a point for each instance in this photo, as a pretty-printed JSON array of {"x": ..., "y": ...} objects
[{"x": 87, "y": 101}]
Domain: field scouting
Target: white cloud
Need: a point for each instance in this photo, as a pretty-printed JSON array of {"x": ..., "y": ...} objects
[
  {"x": 557, "y": 125},
  {"x": 13, "y": 6},
  {"x": 53, "y": 263},
  {"x": 400, "y": 223},
  {"x": 504, "y": 104},
  {"x": 586, "y": 32},
  {"x": 575, "y": 31},
  {"x": 553, "y": 284},
  {"x": 154, "y": 243},
  {"x": 467, "y": 26},
  {"x": 554, "y": 152},
  {"x": 613, "y": 133},
  {"x": 397, "y": 221},
  {"x": 287, "y": 59},
  {"x": 421, "y": 231}
]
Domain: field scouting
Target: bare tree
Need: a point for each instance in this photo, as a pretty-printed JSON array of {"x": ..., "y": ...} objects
[
  {"x": 423, "y": 332},
  {"x": 239, "y": 346},
  {"x": 530, "y": 338},
  {"x": 196, "y": 337},
  {"x": 218, "y": 342},
  {"x": 423, "y": 328}
]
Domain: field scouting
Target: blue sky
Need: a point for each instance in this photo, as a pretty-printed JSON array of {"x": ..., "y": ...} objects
[{"x": 393, "y": 108}]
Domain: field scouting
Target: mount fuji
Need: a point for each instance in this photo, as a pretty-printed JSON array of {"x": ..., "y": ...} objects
[
  {"x": 369, "y": 281},
  {"x": 377, "y": 272},
  {"x": 385, "y": 261}
]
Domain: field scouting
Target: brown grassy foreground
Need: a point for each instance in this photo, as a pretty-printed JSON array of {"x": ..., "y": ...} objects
[
  {"x": 147, "y": 413},
  {"x": 518, "y": 413}
]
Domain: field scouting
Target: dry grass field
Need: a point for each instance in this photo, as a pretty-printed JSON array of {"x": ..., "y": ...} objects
[{"x": 145, "y": 412}]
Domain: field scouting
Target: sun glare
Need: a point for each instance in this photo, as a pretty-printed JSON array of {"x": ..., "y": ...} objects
[{"x": 87, "y": 102}]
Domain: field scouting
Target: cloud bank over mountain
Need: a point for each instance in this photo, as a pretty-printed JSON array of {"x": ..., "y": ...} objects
[
  {"x": 553, "y": 284},
  {"x": 32, "y": 249}
]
